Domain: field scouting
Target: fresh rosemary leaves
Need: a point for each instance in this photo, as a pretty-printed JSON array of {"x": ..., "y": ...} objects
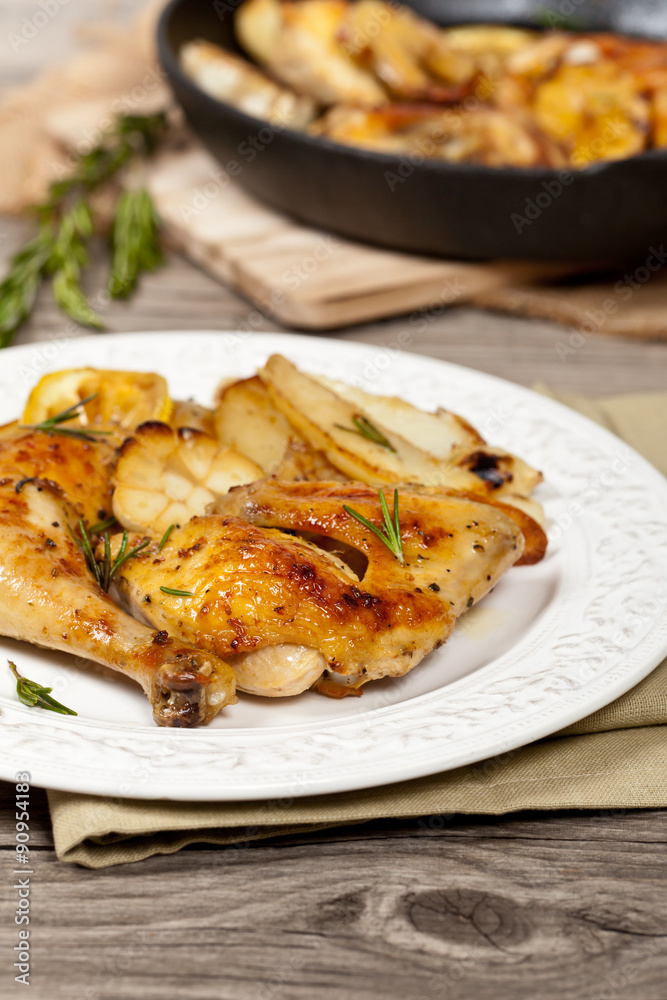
[
  {"x": 33, "y": 695},
  {"x": 135, "y": 242},
  {"x": 18, "y": 291},
  {"x": 105, "y": 571},
  {"x": 364, "y": 428},
  {"x": 60, "y": 248},
  {"x": 165, "y": 537},
  {"x": 390, "y": 534},
  {"x": 176, "y": 593},
  {"x": 102, "y": 526},
  {"x": 52, "y": 425}
]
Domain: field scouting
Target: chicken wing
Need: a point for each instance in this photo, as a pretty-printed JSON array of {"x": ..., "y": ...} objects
[
  {"x": 49, "y": 597},
  {"x": 284, "y": 565}
]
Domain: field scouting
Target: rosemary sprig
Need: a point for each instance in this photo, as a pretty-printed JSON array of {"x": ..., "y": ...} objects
[
  {"x": 110, "y": 569},
  {"x": 84, "y": 541},
  {"x": 176, "y": 593},
  {"x": 364, "y": 428},
  {"x": 135, "y": 242},
  {"x": 390, "y": 534},
  {"x": 101, "y": 526},
  {"x": 59, "y": 250},
  {"x": 32, "y": 694},
  {"x": 105, "y": 571},
  {"x": 68, "y": 259},
  {"x": 18, "y": 291},
  {"x": 52, "y": 424},
  {"x": 165, "y": 537}
]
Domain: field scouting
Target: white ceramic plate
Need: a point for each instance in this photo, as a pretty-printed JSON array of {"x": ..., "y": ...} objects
[{"x": 551, "y": 644}]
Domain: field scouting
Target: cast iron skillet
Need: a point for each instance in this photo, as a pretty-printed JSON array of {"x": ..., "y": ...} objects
[{"x": 610, "y": 211}]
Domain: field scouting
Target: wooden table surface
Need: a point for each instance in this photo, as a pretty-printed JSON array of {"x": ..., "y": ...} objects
[{"x": 555, "y": 905}]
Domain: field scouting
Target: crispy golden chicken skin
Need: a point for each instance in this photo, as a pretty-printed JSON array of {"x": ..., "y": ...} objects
[
  {"x": 82, "y": 469},
  {"x": 49, "y": 597},
  {"x": 284, "y": 563}
]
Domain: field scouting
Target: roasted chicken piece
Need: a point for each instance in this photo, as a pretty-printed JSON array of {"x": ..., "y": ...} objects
[
  {"x": 231, "y": 78},
  {"x": 284, "y": 565},
  {"x": 79, "y": 469},
  {"x": 48, "y": 595}
]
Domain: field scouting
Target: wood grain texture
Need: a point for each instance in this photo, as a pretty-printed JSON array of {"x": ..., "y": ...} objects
[{"x": 571, "y": 906}]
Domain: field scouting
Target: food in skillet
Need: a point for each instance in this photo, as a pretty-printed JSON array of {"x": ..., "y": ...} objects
[
  {"x": 219, "y": 72},
  {"x": 379, "y": 76},
  {"x": 303, "y": 535}
]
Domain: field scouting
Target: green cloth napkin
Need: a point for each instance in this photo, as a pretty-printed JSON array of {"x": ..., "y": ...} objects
[{"x": 613, "y": 759}]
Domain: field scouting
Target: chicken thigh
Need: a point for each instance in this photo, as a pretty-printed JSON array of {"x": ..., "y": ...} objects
[
  {"x": 49, "y": 597},
  {"x": 282, "y": 568}
]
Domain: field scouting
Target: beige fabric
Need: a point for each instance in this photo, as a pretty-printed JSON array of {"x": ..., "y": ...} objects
[{"x": 614, "y": 759}]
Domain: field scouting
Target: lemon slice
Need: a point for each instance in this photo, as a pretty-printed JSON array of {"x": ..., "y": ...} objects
[{"x": 125, "y": 399}]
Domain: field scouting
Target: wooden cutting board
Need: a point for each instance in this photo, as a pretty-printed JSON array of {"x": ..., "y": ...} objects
[{"x": 304, "y": 277}]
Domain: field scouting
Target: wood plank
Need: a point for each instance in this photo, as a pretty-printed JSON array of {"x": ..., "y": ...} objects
[
  {"x": 400, "y": 918},
  {"x": 314, "y": 280}
]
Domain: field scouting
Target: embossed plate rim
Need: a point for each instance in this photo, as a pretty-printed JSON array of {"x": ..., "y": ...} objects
[{"x": 507, "y": 703}]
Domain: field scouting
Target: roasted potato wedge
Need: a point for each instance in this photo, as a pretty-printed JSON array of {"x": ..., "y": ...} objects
[
  {"x": 660, "y": 117},
  {"x": 164, "y": 476},
  {"x": 438, "y": 433},
  {"x": 298, "y": 43},
  {"x": 389, "y": 80},
  {"x": 187, "y": 413},
  {"x": 233, "y": 79},
  {"x": 410, "y": 56},
  {"x": 247, "y": 421},
  {"x": 483, "y": 135},
  {"x": 481, "y": 39},
  {"x": 362, "y": 445},
  {"x": 596, "y": 111}
]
